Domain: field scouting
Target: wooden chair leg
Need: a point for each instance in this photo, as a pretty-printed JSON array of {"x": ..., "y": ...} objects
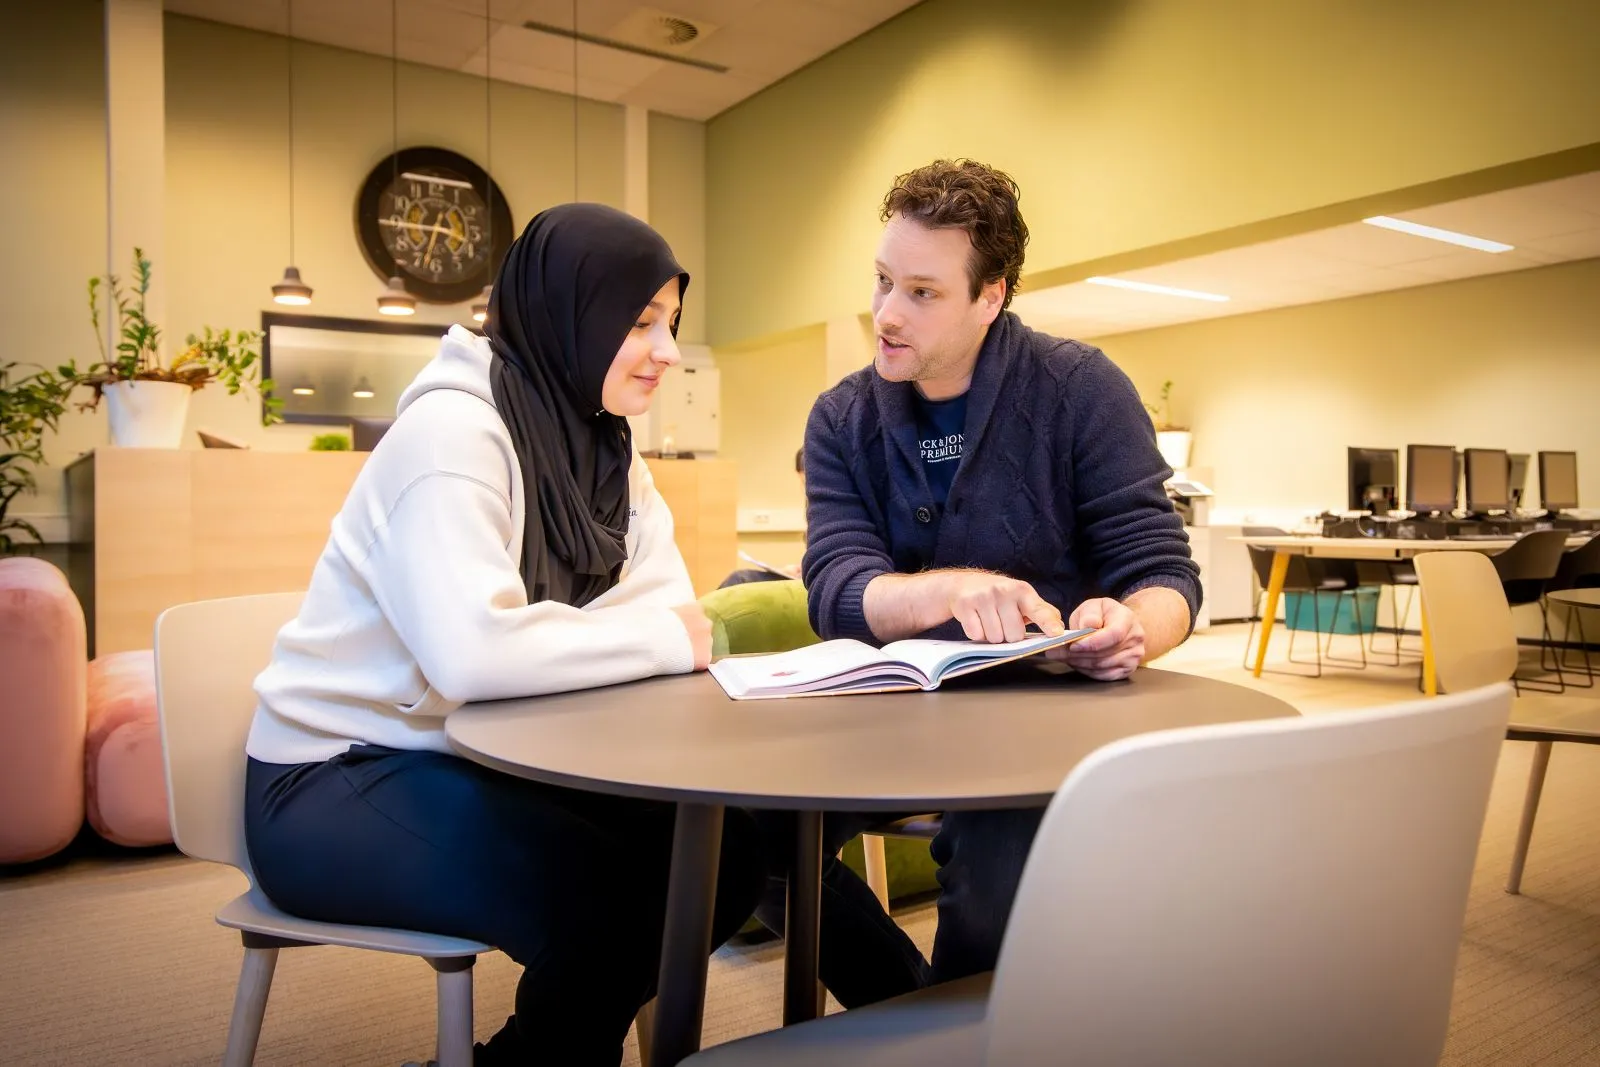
[
  {"x": 454, "y": 982},
  {"x": 644, "y": 1025},
  {"x": 877, "y": 867},
  {"x": 249, "y": 1005},
  {"x": 1530, "y": 808}
]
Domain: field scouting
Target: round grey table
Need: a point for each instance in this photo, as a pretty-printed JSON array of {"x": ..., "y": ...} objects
[{"x": 1002, "y": 738}]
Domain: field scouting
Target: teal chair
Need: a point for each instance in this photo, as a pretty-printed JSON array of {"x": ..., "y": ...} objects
[{"x": 758, "y": 617}]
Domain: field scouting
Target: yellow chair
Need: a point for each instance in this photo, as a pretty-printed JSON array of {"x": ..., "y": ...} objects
[{"x": 1474, "y": 643}]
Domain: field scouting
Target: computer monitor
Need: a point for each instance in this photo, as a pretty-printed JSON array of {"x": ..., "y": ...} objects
[
  {"x": 1558, "y": 480},
  {"x": 366, "y": 432},
  {"x": 1374, "y": 479},
  {"x": 1430, "y": 478},
  {"x": 1488, "y": 480},
  {"x": 1518, "y": 481}
]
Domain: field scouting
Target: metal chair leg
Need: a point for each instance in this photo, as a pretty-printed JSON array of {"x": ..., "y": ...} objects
[
  {"x": 1538, "y": 684},
  {"x": 1361, "y": 645},
  {"x": 1575, "y": 621}
]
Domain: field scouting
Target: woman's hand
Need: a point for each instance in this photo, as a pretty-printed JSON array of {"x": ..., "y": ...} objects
[{"x": 698, "y": 626}]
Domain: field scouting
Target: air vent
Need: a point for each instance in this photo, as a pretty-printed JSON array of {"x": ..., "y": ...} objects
[
  {"x": 646, "y": 32},
  {"x": 677, "y": 32}
]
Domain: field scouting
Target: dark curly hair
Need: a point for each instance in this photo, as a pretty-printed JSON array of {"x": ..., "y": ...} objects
[{"x": 974, "y": 197}]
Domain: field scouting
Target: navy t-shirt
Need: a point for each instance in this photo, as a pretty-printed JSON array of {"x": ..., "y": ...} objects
[{"x": 941, "y": 426}]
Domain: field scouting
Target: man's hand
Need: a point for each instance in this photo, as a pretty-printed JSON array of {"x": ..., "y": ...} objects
[
  {"x": 989, "y": 607},
  {"x": 994, "y": 608},
  {"x": 698, "y": 626},
  {"x": 1114, "y": 650}
]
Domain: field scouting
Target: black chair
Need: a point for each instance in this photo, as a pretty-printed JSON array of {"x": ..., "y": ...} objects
[
  {"x": 1305, "y": 575},
  {"x": 1580, "y": 568},
  {"x": 1526, "y": 571},
  {"x": 1398, "y": 575}
]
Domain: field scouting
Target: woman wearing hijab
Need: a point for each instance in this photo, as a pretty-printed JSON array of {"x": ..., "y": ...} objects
[{"x": 503, "y": 540}]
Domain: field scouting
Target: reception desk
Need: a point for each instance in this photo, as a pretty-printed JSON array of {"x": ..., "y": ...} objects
[{"x": 158, "y": 527}]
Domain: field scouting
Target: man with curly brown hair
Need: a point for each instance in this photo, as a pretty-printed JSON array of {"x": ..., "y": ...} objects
[{"x": 978, "y": 478}]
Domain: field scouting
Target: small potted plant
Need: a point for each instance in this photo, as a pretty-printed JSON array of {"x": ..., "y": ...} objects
[
  {"x": 147, "y": 400},
  {"x": 1173, "y": 441},
  {"x": 30, "y": 405}
]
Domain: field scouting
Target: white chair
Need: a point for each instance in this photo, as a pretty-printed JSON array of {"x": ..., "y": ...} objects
[
  {"x": 1285, "y": 892},
  {"x": 1474, "y": 643},
  {"x": 207, "y": 657}
]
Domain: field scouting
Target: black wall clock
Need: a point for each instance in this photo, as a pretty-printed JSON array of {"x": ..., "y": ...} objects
[{"x": 429, "y": 215}]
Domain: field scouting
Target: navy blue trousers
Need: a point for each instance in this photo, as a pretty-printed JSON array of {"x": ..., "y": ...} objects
[
  {"x": 864, "y": 956},
  {"x": 570, "y": 885}
]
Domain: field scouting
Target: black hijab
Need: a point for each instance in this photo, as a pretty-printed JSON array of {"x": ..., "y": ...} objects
[{"x": 570, "y": 289}]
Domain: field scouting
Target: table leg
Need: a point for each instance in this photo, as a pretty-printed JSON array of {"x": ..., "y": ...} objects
[
  {"x": 1430, "y": 672},
  {"x": 803, "y": 922},
  {"x": 1280, "y": 571},
  {"x": 686, "y": 943}
]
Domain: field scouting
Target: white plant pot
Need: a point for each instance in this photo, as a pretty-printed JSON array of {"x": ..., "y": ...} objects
[
  {"x": 147, "y": 414},
  {"x": 1174, "y": 446}
]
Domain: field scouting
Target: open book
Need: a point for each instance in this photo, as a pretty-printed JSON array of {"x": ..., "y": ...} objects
[
  {"x": 762, "y": 565},
  {"x": 839, "y": 667}
]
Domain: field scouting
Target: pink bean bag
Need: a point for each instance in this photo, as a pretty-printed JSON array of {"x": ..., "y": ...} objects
[
  {"x": 125, "y": 780},
  {"x": 42, "y": 652}
]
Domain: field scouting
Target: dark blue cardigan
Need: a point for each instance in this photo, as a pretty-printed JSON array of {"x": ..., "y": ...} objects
[{"x": 1060, "y": 485}]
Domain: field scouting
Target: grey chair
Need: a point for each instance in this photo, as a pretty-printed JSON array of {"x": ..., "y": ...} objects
[
  {"x": 205, "y": 700},
  {"x": 1282, "y": 892},
  {"x": 1526, "y": 571},
  {"x": 1305, "y": 575}
]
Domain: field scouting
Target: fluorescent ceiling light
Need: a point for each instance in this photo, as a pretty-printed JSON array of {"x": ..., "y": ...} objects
[
  {"x": 1165, "y": 290},
  {"x": 1416, "y": 229}
]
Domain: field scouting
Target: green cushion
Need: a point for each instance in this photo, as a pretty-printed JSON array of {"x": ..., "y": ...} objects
[
  {"x": 758, "y": 617},
  {"x": 911, "y": 868}
]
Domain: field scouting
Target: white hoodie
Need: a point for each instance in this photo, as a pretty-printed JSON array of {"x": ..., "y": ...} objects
[{"x": 416, "y": 605}]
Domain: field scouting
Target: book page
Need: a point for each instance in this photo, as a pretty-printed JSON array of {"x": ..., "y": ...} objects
[
  {"x": 939, "y": 659},
  {"x": 795, "y": 669},
  {"x": 763, "y": 565}
]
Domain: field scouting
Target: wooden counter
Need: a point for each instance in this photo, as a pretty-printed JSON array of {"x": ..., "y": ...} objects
[{"x": 168, "y": 526}]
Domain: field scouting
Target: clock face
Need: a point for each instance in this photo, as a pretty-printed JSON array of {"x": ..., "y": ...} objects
[{"x": 437, "y": 220}]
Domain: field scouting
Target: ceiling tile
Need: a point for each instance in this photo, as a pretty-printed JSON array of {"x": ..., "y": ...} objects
[
  {"x": 1581, "y": 192},
  {"x": 1514, "y": 217},
  {"x": 1372, "y": 246},
  {"x": 1584, "y": 245},
  {"x": 762, "y": 40}
]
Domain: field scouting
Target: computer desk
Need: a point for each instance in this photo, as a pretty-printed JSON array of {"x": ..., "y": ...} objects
[{"x": 1357, "y": 548}]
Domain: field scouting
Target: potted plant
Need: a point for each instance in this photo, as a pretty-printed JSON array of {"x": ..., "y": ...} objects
[
  {"x": 30, "y": 404},
  {"x": 1173, "y": 441},
  {"x": 147, "y": 400}
]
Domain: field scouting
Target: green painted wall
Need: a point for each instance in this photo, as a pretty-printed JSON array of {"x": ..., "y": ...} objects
[{"x": 1130, "y": 123}]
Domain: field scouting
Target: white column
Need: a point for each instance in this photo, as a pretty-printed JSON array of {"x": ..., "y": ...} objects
[
  {"x": 636, "y": 162},
  {"x": 136, "y": 144}
]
